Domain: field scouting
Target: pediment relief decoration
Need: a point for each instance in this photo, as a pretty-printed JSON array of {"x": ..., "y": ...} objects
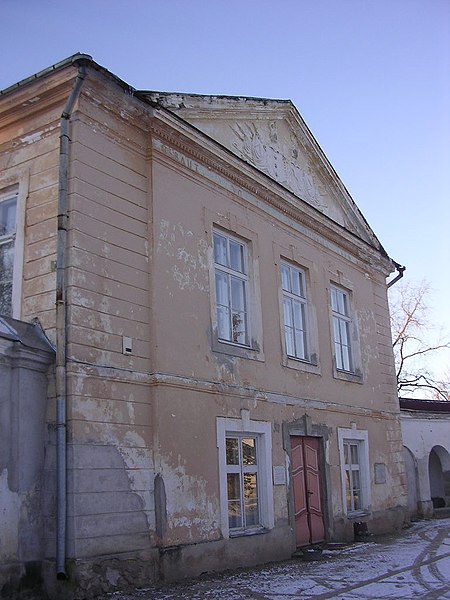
[
  {"x": 280, "y": 157},
  {"x": 271, "y": 136}
]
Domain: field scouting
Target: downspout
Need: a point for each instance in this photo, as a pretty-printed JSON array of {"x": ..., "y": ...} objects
[
  {"x": 400, "y": 271},
  {"x": 61, "y": 329}
]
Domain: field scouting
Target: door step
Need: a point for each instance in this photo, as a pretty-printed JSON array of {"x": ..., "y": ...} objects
[{"x": 308, "y": 554}]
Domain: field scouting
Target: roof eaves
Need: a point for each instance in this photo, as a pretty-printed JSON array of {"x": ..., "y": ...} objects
[{"x": 75, "y": 60}]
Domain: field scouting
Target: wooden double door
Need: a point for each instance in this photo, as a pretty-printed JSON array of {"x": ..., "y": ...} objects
[{"x": 307, "y": 487}]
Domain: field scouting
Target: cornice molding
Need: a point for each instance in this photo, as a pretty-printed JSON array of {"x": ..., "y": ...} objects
[{"x": 172, "y": 380}]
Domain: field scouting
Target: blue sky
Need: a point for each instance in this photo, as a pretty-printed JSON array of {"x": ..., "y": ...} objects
[{"x": 370, "y": 77}]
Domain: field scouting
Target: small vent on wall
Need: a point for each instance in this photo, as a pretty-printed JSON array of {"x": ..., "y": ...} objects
[{"x": 127, "y": 345}]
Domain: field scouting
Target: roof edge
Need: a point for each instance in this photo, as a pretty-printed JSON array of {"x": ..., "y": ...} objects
[{"x": 76, "y": 60}]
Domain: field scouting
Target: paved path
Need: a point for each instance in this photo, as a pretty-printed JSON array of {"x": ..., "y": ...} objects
[{"x": 414, "y": 565}]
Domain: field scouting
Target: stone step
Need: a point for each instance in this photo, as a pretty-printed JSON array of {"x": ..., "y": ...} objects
[{"x": 441, "y": 513}]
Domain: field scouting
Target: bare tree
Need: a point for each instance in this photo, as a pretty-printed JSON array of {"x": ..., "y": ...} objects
[{"x": 414, "y": 343}]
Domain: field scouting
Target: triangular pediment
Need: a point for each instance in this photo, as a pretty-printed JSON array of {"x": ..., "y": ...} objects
[{"x": 272, "y": 136}]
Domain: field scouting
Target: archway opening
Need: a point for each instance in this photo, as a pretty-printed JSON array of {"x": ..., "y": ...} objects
[{"x": 439, "y": 472}]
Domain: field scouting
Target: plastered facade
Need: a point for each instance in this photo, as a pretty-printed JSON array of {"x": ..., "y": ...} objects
[{"x": 146, "y": 191}]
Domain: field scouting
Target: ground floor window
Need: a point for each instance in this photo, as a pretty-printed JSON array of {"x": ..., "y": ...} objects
[
  {"x": 352, "y": 470},
  {"x": 354, "y": 459},
  {"x": 242, "y": 481},
  {"x": 245, "y": 470}
]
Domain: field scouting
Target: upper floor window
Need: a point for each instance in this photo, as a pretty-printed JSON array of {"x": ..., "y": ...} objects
[
  {"x": 8, "y": 208},
  {"x": 340, "y": 307},
  {"x": 293, "y": 283},
  {"x": 231, "y": 282}
]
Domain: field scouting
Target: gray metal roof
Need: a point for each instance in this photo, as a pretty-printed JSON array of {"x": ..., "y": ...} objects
[{"x": 30, "y": 335}]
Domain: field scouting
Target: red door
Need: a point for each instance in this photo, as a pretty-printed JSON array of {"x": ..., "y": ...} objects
[{"x": 309, "y": 526}]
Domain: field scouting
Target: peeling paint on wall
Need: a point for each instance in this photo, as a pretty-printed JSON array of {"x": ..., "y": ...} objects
[
  {"x": 190, "y": 266},
  {"x": 192, "y": 511},
  {"x": 9, "y": 520}
]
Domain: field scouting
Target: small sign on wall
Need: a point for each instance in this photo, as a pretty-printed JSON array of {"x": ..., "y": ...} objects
[
  {"x": 279, "y": 475},
  {"x": 380, "y": 473}
]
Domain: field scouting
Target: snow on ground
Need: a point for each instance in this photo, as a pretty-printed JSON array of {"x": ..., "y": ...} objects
[{"x": 416, "y": 564}]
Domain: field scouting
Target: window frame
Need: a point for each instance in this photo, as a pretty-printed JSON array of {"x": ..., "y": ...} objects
[
  {"x": 343, "y": 352},
  {"x": 7, "y": 194},
  {"x": 262, "y": 432},
  {"x": 355, "y": 375},
  {"x": 360, "y": 439},
  {"x": 242, "y": 469},
  {"x": 231, "y": 274},
  {"x": 302, "y": 301},
  {"x": 229, "y": 226}
]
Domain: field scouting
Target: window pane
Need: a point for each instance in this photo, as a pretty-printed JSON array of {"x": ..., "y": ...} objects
[
  {"x": 289, "y": 340},
  {"x": 251, "y": 499},
  {"x": 354, "y": 454},
  {"x": 249, "y": 451},
  {"x": 348, "y": 493},
  {"x": 357, "y": 504},
  {"x": 223, "y": 323},
  {"x": 300, "y": 345},
  {"x": 232, "y": 450},
  {"x": 343, "y": 331},
  {"x": 6, "y": 277},
  {"x": 346, "y": 358},
  {"x": 239, "y": 325},
  {"x": 285, "y": 278},
  {"x": 238, "y": 294},
  {"x": 299, "y": 312},
  {"x": 233, "y": 486},
  {"x": 222, "y": 289},
  {"x": 296, "y": 287},
  {"x": 336, "y": 330},
  {"x": 287, "y": 304},
  {"x": 8, "y": 217},
  {"x": 220, "y": 249},
  {"x": 334, "y": 301},
  {"x": 338, "y": 354},
  {"x": 343, "y": 305},
  {"x": 234, "y": 500},
  {"x": 237, "y": 256}
]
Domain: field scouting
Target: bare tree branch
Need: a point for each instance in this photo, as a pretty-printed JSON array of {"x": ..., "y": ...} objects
[{"x": 411, "y": 343}]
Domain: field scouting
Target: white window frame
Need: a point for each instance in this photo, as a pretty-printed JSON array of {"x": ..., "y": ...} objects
[
  {"x": 300, "y": 300},
  {"x": 241, "y": 469},
  {"x": 230, "y": 274},
  {"x": 262, "y": 431},
  {"x": 360, "y": 437},
  {"x": 17, "y": 238},
  {"x": 342, "y": 329}
]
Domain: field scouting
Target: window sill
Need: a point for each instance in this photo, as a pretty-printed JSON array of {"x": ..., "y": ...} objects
[
  {"x": 353, "y": 377},
  {"x": 248, "y": 352},
  {"x": 300, "y": 365},
  {"x": 234, "y": 533}
]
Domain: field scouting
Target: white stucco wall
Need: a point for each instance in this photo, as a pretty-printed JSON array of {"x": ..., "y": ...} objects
[{"x": 423, "y": 432}]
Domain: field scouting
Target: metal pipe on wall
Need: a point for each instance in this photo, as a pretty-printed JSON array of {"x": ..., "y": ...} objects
[{"x": 61, "y": 328}]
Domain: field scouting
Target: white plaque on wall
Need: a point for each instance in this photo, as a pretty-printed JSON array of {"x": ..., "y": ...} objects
[{"x": 279, "y": 475}]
